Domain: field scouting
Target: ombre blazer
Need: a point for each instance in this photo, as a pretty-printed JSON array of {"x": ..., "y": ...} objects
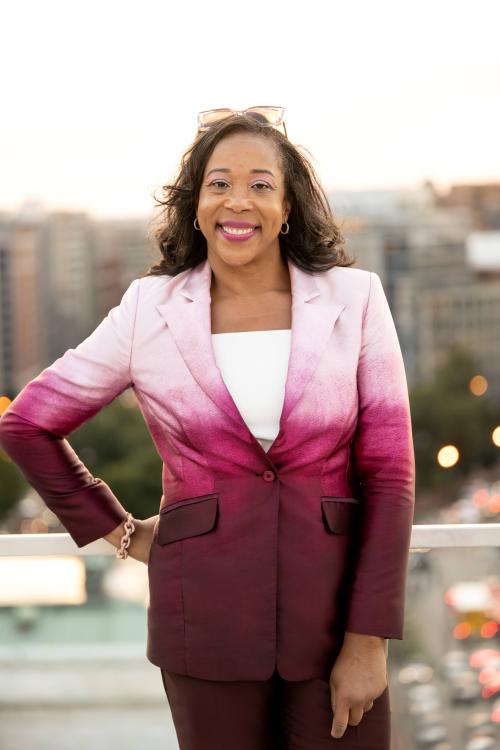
[{"x": 259, "y": 560}]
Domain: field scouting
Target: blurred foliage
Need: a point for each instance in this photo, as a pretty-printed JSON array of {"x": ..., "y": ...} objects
[
  {"x": 12, "y": 484},
  {"x": 445, "y": 412}
]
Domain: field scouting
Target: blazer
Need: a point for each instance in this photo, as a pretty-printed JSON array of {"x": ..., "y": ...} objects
[{"x": 259, "y": 560}]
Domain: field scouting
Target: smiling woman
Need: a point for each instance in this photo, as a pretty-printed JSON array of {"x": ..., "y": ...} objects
[
  {"x": 238, "y": 176},
  {"x": 277, "y": 562}
]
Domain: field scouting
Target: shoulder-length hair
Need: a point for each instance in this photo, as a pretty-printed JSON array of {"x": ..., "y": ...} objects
[{"x": 314, "y": 241}]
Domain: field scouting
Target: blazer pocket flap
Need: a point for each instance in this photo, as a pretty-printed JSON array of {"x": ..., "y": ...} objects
[
  {"x": 188, "y": 518},
  {"x": 340, "y": 513}
]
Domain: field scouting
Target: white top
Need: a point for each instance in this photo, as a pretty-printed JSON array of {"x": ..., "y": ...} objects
[{"x": 254, "y": 366}]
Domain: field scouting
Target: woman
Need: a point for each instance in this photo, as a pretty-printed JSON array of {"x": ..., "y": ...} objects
[{"x": 270, "y": 377}]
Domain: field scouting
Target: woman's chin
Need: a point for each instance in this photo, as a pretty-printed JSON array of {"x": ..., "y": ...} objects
[{"x": 236, "y": 254}]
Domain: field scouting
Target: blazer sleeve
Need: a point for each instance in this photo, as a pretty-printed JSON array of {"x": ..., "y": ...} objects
[
  {"x": 384, "y": 459},
  {"x": 34, "y": 427}
]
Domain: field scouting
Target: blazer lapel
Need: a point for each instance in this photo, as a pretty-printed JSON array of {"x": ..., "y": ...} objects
[
  {"x": 314, "y": 315},
  {"x": 188, "y": 316}
]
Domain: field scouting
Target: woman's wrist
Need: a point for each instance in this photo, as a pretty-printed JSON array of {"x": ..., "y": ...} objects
[
  {"x": 129, "y": 527},
  {"x": 364, "y": 638},
  {"x": 115, "y": 536},
  {"x": 121, "y": 537},
  {"x": 140, "y": 539}
]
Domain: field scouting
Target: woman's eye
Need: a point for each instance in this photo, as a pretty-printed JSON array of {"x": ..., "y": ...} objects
[{"x": 222, "y": 183}]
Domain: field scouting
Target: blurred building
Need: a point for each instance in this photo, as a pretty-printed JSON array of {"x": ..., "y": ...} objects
[
  {"x": 60, "y": 274},
  {"x": 440, "y": 273},
  {"x": 21, "y": 337},
  {"x": 121, "y": 253},
  {"x": 482, "y": 201},
  {"x": 66, "y": 267}
]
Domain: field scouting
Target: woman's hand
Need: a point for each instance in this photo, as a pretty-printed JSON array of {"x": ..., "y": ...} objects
[
  {"x": 359, "y": 675},
  {"x": 142, "y": 539}
]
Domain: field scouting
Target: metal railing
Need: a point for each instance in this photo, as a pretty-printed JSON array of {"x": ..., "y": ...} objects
[{"x": 424, "y": 537}]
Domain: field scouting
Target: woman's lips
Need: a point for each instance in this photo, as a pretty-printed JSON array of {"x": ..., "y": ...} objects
[{"x": 237, "y": 237}]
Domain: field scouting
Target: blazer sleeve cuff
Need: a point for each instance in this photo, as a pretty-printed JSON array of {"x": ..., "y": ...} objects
[
  {"x": 367, "y": 616},
  {"x": 91, "y": 513}
]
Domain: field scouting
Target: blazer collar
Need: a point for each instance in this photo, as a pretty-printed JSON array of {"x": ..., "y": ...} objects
[{"x": 188, "y": 316}]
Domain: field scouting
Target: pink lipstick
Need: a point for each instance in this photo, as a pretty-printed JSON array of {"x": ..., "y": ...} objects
[{"x": 242, "y": 230}]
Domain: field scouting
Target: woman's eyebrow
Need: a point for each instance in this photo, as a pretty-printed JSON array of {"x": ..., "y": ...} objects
[{"x": 252, "y": 171}]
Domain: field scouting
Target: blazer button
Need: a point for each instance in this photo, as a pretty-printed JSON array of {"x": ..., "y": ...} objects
[{"x": 268, "y": 475}]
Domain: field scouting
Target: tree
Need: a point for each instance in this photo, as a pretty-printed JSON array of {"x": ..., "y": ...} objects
[{"x": 444, "y": 411}]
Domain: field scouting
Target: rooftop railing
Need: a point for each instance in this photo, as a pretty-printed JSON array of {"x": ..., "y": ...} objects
[{"x": 424, "y": 537}]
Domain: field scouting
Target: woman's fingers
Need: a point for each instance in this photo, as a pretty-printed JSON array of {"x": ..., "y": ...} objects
[
  {"x": 340, "y": 718},
  {"x": 343, "y": 715}
]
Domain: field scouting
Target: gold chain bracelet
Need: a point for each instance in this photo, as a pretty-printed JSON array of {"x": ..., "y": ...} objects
[{"x": 125, "y": 540}]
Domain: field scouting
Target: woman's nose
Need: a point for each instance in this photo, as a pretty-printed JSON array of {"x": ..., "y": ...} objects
[{"x": 237, "y": 200}]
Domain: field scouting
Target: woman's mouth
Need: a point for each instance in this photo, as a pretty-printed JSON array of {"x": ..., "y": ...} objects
[{"x": 236, "y": 235}]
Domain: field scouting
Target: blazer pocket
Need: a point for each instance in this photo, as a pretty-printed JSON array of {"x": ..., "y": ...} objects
[
  {"x": 340, "y": 513},
  {"x": 187, "y": 518}
]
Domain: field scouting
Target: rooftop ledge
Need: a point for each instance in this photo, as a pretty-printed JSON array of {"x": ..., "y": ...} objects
[{"x": 424, "y": 537}]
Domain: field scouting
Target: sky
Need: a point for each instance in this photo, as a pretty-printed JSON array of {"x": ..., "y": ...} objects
[{"x": 99, "y": 99}]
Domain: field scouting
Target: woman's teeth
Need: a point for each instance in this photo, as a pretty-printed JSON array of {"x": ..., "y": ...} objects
[{"x": 233, "y": 230}]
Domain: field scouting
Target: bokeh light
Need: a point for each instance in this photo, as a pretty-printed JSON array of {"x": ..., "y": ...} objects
[{"x": 448, "y": 456}]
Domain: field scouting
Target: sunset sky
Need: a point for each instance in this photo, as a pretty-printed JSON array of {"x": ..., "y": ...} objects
[{"x": 99, "y": 99}]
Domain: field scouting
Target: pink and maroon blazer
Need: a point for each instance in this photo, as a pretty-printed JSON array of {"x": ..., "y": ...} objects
[{"x": 259, "y": 560}]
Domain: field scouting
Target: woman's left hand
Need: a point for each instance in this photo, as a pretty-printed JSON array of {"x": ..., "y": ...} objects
[{"x": 359, "y": 675}]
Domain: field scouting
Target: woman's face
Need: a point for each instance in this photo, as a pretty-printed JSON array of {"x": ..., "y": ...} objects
[{"x": 242, "y": 204}]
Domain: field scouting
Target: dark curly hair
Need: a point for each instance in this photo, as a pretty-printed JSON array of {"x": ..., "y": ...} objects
[{"x": 314, "y": 242}]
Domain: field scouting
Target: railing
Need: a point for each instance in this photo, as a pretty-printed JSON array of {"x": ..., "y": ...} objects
[{"x": 424, "y": 537}]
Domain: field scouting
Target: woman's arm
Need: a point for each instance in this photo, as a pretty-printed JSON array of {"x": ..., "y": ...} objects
[
  {"x": 51, "y": 406},
  {"x": 384, "y": 460},
  {"x": 85, "y": 505}
]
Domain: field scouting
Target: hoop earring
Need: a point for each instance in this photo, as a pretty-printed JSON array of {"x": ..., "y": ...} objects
[
  {"x": 287, "y": 228},
  {"x": 194, "y": 224}
]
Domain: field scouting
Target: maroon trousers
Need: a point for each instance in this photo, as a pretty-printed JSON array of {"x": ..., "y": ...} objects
[{"x": 273, "y": 714}]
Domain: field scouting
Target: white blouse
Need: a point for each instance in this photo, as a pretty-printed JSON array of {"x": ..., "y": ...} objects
[{"x": 254, "y": 366}]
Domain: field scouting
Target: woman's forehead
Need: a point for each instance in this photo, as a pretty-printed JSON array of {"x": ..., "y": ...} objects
[{"x": 244, "y": 149}]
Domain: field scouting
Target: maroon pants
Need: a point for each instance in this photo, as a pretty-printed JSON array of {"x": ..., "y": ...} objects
[{"x": 270, "y": 715}]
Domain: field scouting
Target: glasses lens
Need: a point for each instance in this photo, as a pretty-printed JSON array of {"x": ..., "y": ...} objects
[
  {"x": 267, "y": 115},
  {"x": 212, "y": 116}
]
